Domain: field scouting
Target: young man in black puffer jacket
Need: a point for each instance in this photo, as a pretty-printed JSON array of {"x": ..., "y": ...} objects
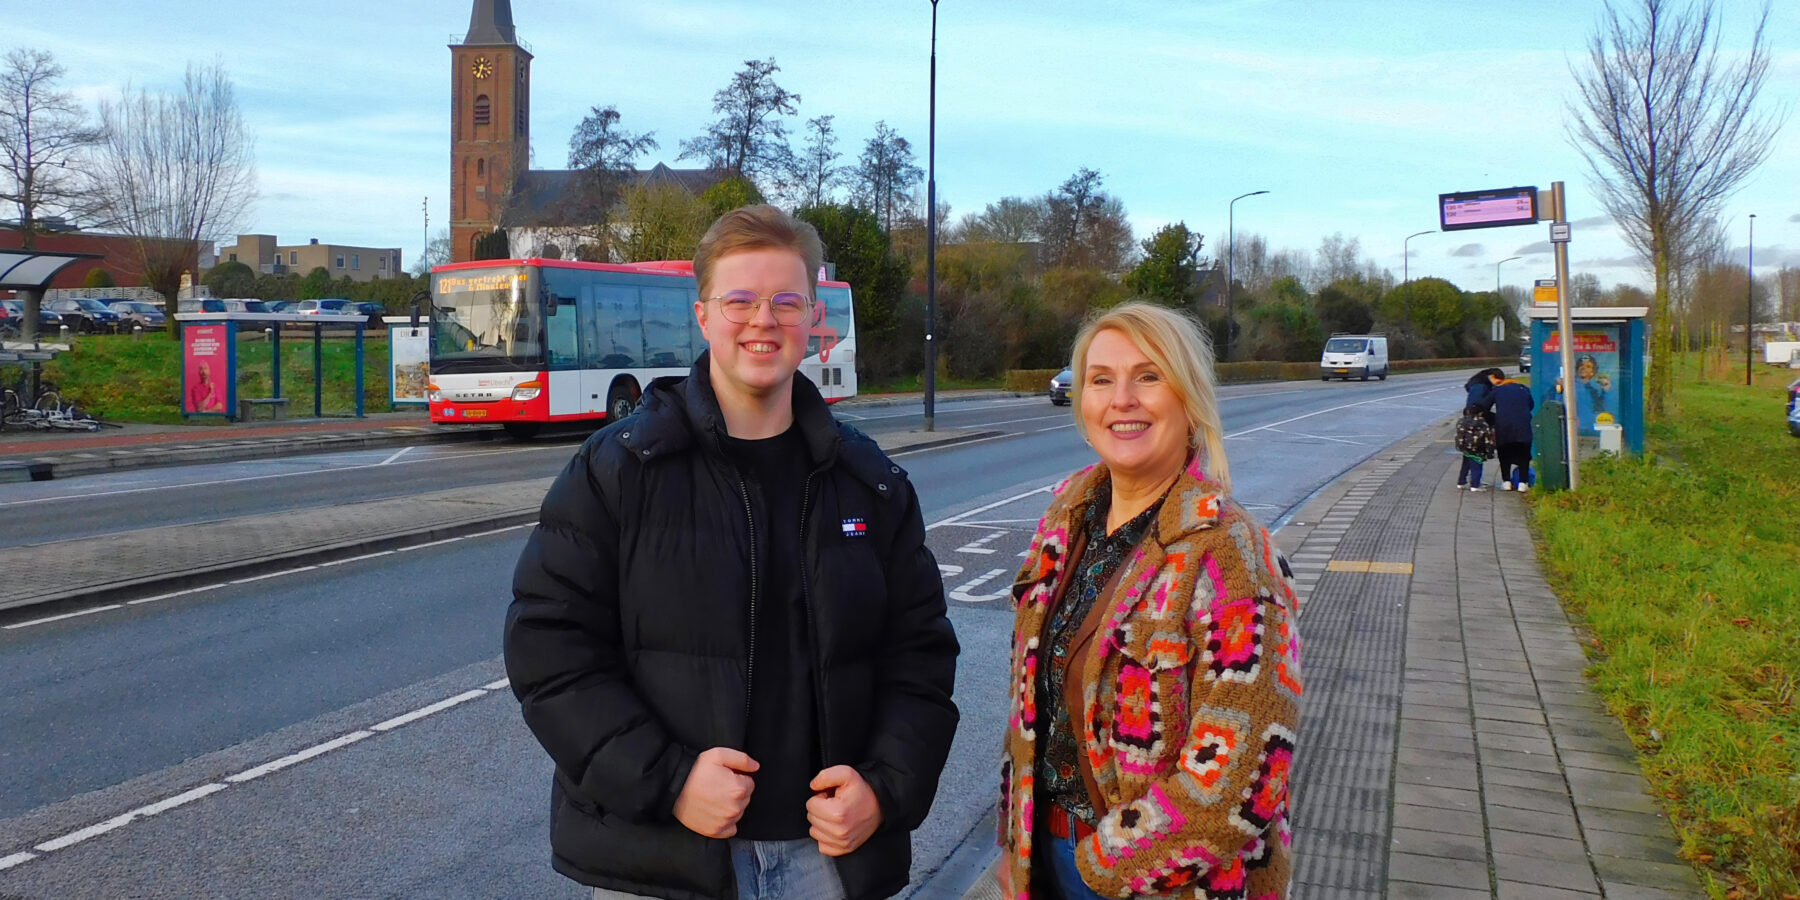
[{"x": 726, "y": 629}]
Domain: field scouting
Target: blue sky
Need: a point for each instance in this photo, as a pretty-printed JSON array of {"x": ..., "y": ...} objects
[{"x": 1354, "y": 115}]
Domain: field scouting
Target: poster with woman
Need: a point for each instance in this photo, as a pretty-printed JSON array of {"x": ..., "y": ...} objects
[
  {"x": 206, "y": 374},
  {"x": 1596, "y": 371}
]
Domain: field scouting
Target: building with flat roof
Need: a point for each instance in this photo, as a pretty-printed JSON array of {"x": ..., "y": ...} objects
[{"x": 266, "y": 257}]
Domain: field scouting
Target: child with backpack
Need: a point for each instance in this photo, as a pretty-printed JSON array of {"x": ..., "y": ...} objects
[{"x": 1475, "y": 441}]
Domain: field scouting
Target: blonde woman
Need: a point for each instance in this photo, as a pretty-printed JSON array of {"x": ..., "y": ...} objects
[{"x": 1156, "y": 681}]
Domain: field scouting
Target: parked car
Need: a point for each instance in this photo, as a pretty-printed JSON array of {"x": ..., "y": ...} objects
[
  {"x": 330, "y": 307},
  {"x": 373, "y": 310},
  {"x": 85, "y": 315},
  {"x": 1525, "y": 358},
  {"x": 1059, "y": 387},
  {"x": 280, "y": 306},
  {"x": 139, "y": 313},
  {"x": 49, "y": 322},
  {"x": 9, "y": 323},
  {"x": 1794, "y": 408}
]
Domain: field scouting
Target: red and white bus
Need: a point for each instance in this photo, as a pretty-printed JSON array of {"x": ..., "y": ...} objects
[{"x": 527, "y": 342}]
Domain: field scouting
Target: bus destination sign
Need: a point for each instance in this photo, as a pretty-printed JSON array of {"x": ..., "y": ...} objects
[{"x": 1488, "y": 209}]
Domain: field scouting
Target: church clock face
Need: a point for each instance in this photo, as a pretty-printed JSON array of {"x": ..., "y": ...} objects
[{"x": 482, "y": 68}]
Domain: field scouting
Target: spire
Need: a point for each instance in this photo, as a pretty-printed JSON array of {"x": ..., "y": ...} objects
[{"x": 491, "y": 23}]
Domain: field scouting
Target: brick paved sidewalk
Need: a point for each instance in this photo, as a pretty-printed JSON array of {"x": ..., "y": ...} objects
[{"x": 1450, "y": 746}]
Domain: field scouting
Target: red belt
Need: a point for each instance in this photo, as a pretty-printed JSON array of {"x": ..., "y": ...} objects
[{"x": 1065, "y": 825}]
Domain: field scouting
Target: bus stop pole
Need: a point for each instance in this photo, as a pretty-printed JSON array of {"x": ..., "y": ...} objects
[
  {"x": 1565, "y": 334},
  {"x": 318, "y": 373},
  {"x": 275, "y": 360}
]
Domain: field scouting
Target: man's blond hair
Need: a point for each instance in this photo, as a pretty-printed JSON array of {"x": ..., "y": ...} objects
[{"x": 753, "y": 228}]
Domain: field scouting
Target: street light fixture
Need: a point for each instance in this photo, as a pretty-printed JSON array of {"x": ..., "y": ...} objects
[
  {"x": 1406, "y": 272},
  {"x": 1231, "y": 268},
  {"x": 1497, "y": 271},
  {"x": 1750, "y": 300},
  {"x": 931, "y": 239}
]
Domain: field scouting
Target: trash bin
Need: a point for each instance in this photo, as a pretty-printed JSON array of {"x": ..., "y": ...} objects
[
  {"x": 1612, "y": 438},
  {"x": 1549, "y": 449}
]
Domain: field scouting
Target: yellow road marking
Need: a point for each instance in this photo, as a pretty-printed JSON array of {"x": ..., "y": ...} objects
[{"x": 1363, "y": 565}]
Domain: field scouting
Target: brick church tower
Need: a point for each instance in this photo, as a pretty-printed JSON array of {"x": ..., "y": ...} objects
[{"x": 490, "y": 118}]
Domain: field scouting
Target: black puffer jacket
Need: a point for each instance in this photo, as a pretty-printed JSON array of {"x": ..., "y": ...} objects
[{"x": 627, "y": 641}]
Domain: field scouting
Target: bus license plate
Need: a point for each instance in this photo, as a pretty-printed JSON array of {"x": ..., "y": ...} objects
[{"x": 474, "y": 413}]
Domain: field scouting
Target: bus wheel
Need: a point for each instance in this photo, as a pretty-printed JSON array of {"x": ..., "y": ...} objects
[
  {"x": 522, "y": 431},
  {"x": 621, "y": 400}
]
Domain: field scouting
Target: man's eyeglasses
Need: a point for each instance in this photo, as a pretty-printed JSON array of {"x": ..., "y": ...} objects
[{"x": 740, "y": 306}]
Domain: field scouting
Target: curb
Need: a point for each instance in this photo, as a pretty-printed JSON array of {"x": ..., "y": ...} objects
[
  {"x": 211, "y": 576},
  {"x": 152, "y": 455},
  {"x": 879, "y": 401}
]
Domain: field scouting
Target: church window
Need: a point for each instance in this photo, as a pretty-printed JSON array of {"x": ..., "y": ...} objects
[
  {"x": 483, "y": 110},
  {"x": 481, "y": 168}
]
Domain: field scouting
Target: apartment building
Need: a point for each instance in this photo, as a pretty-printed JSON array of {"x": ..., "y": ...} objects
[{"x": 262, "y": 253}]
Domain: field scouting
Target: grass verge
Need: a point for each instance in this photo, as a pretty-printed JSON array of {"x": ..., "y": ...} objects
[
  {"x": 121, "y": 379},
  {"x": 1685, "y": 565}
]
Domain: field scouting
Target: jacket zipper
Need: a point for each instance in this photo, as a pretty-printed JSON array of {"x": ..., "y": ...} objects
[
  {"x": 750, "y": 663},
  {"x": 818, "y": 678}
]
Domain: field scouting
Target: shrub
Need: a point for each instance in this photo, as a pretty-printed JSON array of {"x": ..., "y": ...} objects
[{"x": 1029, "y": 380}]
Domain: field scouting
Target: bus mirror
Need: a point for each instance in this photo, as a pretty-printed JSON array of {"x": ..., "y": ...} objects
[{"x": 418, "y": 300}]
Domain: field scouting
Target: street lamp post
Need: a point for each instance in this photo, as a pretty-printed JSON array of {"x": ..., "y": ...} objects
[
  {"x": 1497, "y": 271},
  {"x": 1750, "y": 300},
  {"x": 931, "y": 239},
  {"x": 1231, "y": 269},
  {"x": 1406, "y": 273}
]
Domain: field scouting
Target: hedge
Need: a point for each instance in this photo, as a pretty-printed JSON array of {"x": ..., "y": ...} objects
[{"x": 1036, "y": 381}]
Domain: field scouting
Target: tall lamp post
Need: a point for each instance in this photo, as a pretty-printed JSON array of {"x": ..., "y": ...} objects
[
  {"x": 1497, "y": 271},
  {"x": 931, "y": 239},
  {"x": 1231, "y": 269},
  {"x": 1406, "y": 272},
  {"x": 1750, "y": 300}
]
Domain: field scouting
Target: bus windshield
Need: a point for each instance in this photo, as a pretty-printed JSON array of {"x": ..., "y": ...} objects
[{"x": 486, "y": 320}]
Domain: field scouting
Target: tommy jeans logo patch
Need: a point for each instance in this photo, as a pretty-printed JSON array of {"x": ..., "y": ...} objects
[{"x": 856, "y": 528}]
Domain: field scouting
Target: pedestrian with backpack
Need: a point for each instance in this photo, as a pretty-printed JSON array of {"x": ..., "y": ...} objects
[{"x": 1475, "y": 441}]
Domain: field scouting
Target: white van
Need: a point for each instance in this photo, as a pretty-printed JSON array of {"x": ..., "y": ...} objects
[{"x": 1354, "y": 355}]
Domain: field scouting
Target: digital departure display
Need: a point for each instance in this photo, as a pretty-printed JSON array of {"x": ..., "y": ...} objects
[{"x": 1488, "y": 209}]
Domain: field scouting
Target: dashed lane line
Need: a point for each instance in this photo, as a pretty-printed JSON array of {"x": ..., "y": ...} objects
[{"x": 315, "y": 751}]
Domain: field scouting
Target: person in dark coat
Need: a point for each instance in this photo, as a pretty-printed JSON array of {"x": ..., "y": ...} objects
[
  {"x": 1512, "y": 433},
  {"x": 726, "y": 629},
  {"x": 1479, "y": 392}
]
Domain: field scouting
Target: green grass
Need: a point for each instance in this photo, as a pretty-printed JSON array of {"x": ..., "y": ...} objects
[
  {"x": 124, "y": 380},
  {"x": 1685, "y": 566}
]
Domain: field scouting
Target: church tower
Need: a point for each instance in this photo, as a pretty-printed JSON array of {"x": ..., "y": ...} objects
[{"x": 490, "y": 120}]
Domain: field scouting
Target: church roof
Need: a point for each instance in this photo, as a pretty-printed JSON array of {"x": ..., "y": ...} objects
[
  {"x": 543, "y": 198},
  {"x": 491, "y": 22}
]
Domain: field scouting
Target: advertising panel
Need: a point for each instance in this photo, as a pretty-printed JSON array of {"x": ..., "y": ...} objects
[
  {"x": 1596, "y": 371},
  {"x": 409, "y": 353},
  {"x": 206, "y": 370}
]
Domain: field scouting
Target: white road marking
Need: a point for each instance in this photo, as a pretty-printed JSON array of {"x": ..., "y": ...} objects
[
  {"x": 397, "y": 454},
  {"x": 431, "y": 544},
  {"x": 1328, "y": 409},
  {"x": 1055, "y": 428},
  {"x": 994, "y": 505},
  {"x": 503, "y": 684},
  {"x": 48, "y": 619},
  {"x": 276, "y": 765},
  {"x": 1029, "y": 419},
  {"x": 962, "y": 591},
  {"x": 946, "y": 570},
  {"x": 978, "y": 545},
  {"x": 271, "y": 575},
  {"x": 424, "y": 711},
  {"x": 339, "y": 562},
  {"x": 206, "y": 790},
  {"x": 88, "y": 495},
  {"x": 993, "y": 437}
]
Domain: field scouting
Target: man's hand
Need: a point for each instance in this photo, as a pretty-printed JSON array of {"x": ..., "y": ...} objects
[
  {"x": 717, "y": 791},
  {"x": 843, "y": 810}
]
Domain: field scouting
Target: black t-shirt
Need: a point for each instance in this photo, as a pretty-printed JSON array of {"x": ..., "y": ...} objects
[{"x": 784, "y": 730}]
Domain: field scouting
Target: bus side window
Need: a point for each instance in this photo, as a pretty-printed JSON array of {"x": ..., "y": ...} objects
[
  {"x": 667, "y": 313},
  {"x": 696, "y": 337}
]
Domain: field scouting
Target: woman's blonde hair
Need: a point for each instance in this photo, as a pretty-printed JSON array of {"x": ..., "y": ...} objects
[
  {"x": 754, "y": 228},
  {"x": 1181, "y": 349}
]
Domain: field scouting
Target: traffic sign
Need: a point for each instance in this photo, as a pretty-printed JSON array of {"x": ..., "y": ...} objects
[{"x": 1543, "y": 293}]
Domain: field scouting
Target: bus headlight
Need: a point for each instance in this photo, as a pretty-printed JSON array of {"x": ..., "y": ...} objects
[
  {"x": 527, "y": 390},
  {"x": 432, "y": 394}
]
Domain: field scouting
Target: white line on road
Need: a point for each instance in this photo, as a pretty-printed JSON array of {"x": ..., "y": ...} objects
[
  {"x": 397, "y": 454},
  {"x": 276, "y": 765},
  {"x": 1055, "y": 428},
  {"x": 339, "y": 562},
  {"x": 7, "y": 862},
  {"x": 962, "y": 591},
  {"x": 48, "y": 619},
  {"x": 994, "y": 437},
  {"x": 994, "y": 505},
  {"x": 503, "y": 684},
  {"x": 1319, "y": 412},
  {"x": 424, "y": 711},
  {"x": 269, "y": 575}
]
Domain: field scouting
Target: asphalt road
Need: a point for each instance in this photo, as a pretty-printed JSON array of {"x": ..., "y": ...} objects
[{"x": 116, "y": 713}]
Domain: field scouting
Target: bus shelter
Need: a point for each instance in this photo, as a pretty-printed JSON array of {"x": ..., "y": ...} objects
[
  {"x": 1610, "y": 364},
  {"x": 209, "y": 361}
]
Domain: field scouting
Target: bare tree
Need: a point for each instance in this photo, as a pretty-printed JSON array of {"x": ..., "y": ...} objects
[
  {"x": 604, "y": 157},
  {"x": 1338, "y": 258},
  {"x": 1009, "y": 220},
  {"x": 749, "y": 138},
  {"x": 43, "y": 134},
  {"x": 1670, "y": 130},
  {"x": 815, "y": 171},
  {"x": 885, "y": 174},
  {"x": 435, "y": 254},
  {"x": 174, "y": 171}
]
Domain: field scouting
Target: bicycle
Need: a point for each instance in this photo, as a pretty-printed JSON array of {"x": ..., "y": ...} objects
[{"x": 41, "y": 417}]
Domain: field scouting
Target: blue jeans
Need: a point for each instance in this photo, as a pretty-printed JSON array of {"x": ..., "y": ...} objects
[
  {"x": 1471, "y": 472},
  {"x": 774, "y": 870},
  {"x": 1063, "y": 872}
]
